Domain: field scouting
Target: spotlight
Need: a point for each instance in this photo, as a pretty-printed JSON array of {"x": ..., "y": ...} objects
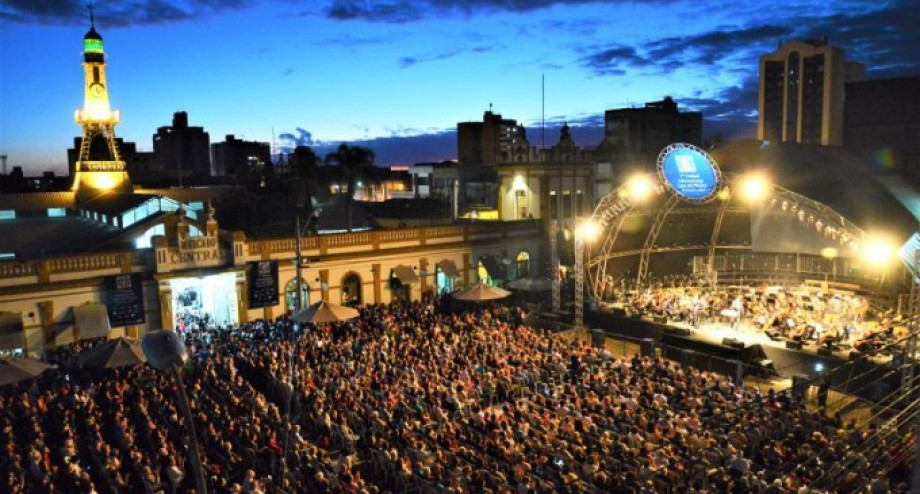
[{"x": 640, "y": 187}]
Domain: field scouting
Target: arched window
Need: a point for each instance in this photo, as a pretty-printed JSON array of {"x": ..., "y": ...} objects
[
  {"x": 522, "y": 262},
  {"x": 290, "y": 294},
  {"x": 146, "y": 239},
  {"x": 351, "y": 290}
]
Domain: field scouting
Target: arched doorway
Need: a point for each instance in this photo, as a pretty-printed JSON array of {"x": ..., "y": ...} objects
[
  {"x": 351, "y": 290},
  {"x": 290, "y": 294},
  {"x": 522, "y": 264}
]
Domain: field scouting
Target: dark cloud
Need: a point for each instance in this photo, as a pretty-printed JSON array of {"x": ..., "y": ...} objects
[
  {"x": 114, "y": 14},
  {"x": 668, "y": 54},
  {"x": 409, "y": 61},
  {"x": 299, "y": 137},
  {"x": 614, "y": 60},
  {"x": 402, "y": 11},
  {"x": 732, "y": 112},
  {"x": 887, "y": 39}
]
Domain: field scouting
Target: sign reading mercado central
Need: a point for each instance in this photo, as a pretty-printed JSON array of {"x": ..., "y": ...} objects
[{"x": 689, "y": 172}]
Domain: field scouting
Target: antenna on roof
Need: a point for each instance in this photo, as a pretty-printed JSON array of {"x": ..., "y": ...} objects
[
  {"x": 543, "y": 111},
  {"x": 92, "y": 18}
]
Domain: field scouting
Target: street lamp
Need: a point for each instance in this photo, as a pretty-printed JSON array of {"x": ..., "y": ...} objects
[{"x": 584, "y": 232}]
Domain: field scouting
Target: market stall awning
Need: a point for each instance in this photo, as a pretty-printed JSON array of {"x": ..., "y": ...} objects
[
  {"x": 405, "y": 274},
  {"x": 449, "y": 268},
  {"x": 90, "y": 320},
  {"x": 10, "y": 330}
]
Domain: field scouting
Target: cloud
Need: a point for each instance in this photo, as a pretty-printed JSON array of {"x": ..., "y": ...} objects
[
  {"x": 299, "y": 137},
  {"x": 409, "y": 61},
  {"x": 885, "y": 39},
  {"x": 115, "y": 14},
  {"x": 403, "y": 11},
  {"x": 668, "y": 54},
  {"x": 286, "y": 72}
]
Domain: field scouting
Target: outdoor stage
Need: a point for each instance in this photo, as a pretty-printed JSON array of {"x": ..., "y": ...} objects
[{"x": 742, "y": 343}]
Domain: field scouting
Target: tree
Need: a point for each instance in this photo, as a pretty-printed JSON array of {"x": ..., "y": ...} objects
[
  {"x": 352, "y": 163},
  {"x": 303, "y": 162}
]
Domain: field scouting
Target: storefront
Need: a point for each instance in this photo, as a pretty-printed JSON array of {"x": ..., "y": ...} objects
[{"x": 208, "y": 300}]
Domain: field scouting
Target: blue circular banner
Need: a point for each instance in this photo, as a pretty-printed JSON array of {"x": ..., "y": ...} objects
[{"x": 689, "y": 172}]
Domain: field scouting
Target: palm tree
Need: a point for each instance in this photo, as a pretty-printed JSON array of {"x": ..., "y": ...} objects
[{"x": 353, "y": 163}]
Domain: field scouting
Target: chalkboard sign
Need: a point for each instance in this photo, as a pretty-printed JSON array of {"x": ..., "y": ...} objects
[
  {"x": 125, "y": 299},
  {"x": 263, "y": 284}
]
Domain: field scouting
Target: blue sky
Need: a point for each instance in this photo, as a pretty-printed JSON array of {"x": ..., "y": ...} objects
[{"x": 398, "y": 75}]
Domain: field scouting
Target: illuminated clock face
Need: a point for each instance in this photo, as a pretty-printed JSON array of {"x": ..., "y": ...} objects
[{"x": 97, "y": 89}]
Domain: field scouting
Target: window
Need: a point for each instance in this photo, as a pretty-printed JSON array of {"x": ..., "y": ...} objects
[
  {"x": 57, "y": 212},
  {"x": 7, "y": 214},
  {"x": 6, "y": 256},
  {"x": 145, "y": 241},
  {"x": 523, "y": 264},
  {"x": 290, "y": 294},
  {"x": 351, "y": 290},
  {"x": 553, "y": 205}
]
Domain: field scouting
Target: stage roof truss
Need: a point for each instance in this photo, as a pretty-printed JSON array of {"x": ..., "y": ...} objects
[{"x": 613, "y": 210}]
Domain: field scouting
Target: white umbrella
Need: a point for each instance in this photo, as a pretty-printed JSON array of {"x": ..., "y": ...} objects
[
  {"x": 15, "y": 369},
  {"x": 321, "y": 312},
  {"x": 482, "y": 292}
]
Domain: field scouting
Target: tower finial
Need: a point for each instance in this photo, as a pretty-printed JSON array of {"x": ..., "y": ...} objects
[{"x": 92, "y": 18}]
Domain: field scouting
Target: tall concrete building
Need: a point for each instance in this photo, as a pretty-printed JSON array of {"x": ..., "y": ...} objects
[
  {"x": 182, "y": 152},
  {"x": 491, "y": 141},
  {"x": 641, "y": 133},
  {"x": 802, "y": 92},
  {"x": 233, "y": 154}
]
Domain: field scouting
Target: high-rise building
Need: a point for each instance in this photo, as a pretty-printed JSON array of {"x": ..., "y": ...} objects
[
  {"x": 234, "y": 154},
  {"x": 641, "y": 133},
  {"x": 802, "y": 95},
  {"x": 181, "y": 151},
  {"x": 492, "y": 141}
]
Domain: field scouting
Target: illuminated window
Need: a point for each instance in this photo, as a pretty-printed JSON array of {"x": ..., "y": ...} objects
[
  {"x": 7, "y": 214},
  {"x": 523, "y": 264},
  {"x": 56, "y": 212},
  {"x": 145, "y": 241}
]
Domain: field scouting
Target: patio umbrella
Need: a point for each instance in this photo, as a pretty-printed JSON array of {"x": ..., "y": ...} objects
[
  {"x": 482, "y": 292},
  {"x": 322, "y": 311},
  {"x": 532, "y": 284},
  {"x": 16, "y": 369},
  {"x": 120, "y": 352}
]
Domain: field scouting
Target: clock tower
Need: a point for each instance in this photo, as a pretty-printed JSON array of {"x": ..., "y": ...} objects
[{"x": 99, "y": 168}]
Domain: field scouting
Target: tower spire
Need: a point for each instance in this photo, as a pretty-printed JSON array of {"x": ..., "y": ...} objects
[{"x": 92, "y": 18}]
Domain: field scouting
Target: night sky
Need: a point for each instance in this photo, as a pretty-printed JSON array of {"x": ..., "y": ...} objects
[{"x": 398, "y": 75}]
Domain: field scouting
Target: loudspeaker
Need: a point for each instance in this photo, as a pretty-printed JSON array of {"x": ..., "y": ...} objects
[
  {"x": 164, "y": 349},
  {"x": 826, "y": 352},
  {"x": 795, "y": 345},
  {"x": 733, "y": 343}
]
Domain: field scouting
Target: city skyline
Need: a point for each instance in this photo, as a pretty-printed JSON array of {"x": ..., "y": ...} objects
[{"x": 398, "y": 76}]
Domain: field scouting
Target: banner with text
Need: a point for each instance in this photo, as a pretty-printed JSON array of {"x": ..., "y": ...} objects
[
  {"x": 125, "y": 299},
  {"x": 263, "y": 284}
]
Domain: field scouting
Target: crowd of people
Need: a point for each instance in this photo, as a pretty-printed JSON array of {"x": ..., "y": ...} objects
[
  {"x": 807, "y": 315},
  {"x": 412, "y": 398}
]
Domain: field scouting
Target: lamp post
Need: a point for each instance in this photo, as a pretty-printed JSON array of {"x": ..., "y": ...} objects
[
  {"x": 585, "y": 232},
  {"x": 166, "y": 352}
]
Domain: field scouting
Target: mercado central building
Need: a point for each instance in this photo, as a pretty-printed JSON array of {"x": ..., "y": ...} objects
[{"x": 108, "y": 258}]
